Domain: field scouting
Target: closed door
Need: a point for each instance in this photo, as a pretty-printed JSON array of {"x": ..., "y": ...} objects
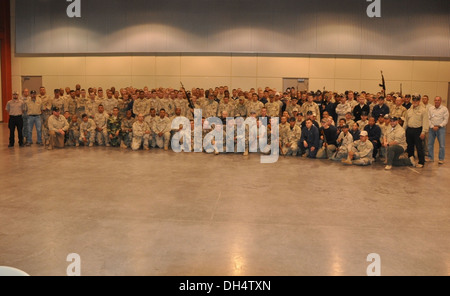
[
  {"x": 300, "y": 84},
  {"x": 32, "y": 83}
]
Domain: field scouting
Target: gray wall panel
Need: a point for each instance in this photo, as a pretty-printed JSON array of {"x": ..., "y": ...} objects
[{"x": 406, "y": 28}]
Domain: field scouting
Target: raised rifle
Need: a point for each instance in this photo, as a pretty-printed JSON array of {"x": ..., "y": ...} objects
[
  {"x": 188, "y": 96},
  {"x": 383, "y": 83}
]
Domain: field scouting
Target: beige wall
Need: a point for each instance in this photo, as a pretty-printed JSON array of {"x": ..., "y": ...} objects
[
  {"x": 338, "y": 74},
  {"x": 334, "y": 73}
]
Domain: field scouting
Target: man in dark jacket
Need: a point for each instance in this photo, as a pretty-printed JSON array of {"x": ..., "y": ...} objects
[
  {"x": 374, "y": 132},
  {"x": 310, "y": 140}
]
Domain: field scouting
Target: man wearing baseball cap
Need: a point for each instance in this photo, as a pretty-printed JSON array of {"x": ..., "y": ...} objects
[
  {"x": 57, "y": 128},
  {"x": 395, "y": 143},
  {"x": 361, "y": 153},
  {"x": 15, "y": 109},
  {"x": 416, "y": 125}
]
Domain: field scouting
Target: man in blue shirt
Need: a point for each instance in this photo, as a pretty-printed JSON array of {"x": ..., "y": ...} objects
[
  {"x": 374, "y": 132},
  {"x": 380, "y": 109}
]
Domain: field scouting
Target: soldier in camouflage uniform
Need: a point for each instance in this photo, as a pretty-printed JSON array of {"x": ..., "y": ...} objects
[
  {"x": 74, "y": 132},
  {"x": 289, "y": 139},
  {"x": 240, "y": 109},
  {"x": 91, "y": 106},
  {"x": 226, "y": 106},
  {"x": 210, "y": 107},
  {"x": 182, "y": 103},
  {"x": 58, "y": 101},
  {"x": 71, "y": 104},
  {"x": 110, "y": 103},
  {"x": 87, "y": 131},
  {"x": 114, "y": 127},
  {"x": 101, "y": 120},
  {"x": 161, "y": 130},
  {"x": 361, "y": 152},
  {"x": 345, "y": 142},
  {"x": 154, "y": 101},
  {"x": 141, "y": 133},
  {"x": 123, "y": 106},
  {"x": 46, "y": 113},
  {"x": 255, "y": 105},
  {"x": 141, "y": 105},
  {"x": 166, "y": 103},
  {"x": 81, "y": 103},
  {"x": 272, "y": 107},
  {"x": 127, "y": 130}
]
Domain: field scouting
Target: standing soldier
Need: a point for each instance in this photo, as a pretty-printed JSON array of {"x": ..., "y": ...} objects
[
  {"x": 87, "y": 131},
  {"x": 210, "y": 107},
  {"x": 141, "y": 133},
  {"x": 310, "y": 105},
  {"x": 123, "y": 104},
  {"x": 58, "y": 101},
  {"x": 342, "y": 108},
  {"x": 416, "y": 124},
  {"x": 255, "y": 105},
  {"x": 15, "y": 108},
  {"x": 240, "y": 109},
  {"x": 25, "y": 99},
  {"x": 141, "y": 105},
  {"x": 114, "y": 126},
  {"x": 46, "y": 103},
  {"x": 101, "y": 120},
  {"x": 109, "y": 103},
  {"x": 81, "y": 103},
  {"x": 182, "y": 103},
  {"x": 71, "y": 103},
  {"x": 226, "y": 106},
  {"x": 166, "y": 103},
  {"x": 272, "y": 107},
  {"x": 161, "y": 130},
  {"x": 127, "y": 130},
  {"x": 34, "y": 111},
  {"x": 154, "y": 101},
  {"x": 397, "y": 110},
  {"x": 91, "y": 106}
]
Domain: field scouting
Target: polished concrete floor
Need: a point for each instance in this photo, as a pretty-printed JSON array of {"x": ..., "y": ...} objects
[{"x": 161, "y": 213}]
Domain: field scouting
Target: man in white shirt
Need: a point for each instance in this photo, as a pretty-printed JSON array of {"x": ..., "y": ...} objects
[{"x": 438, "y": 116}]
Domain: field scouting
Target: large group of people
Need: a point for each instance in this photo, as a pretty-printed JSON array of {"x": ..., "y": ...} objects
[{"x": 353, "y": 128}]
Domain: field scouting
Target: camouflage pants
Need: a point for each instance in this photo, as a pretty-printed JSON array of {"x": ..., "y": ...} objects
[
  {"x": 139, "y": 141},
  {"x": 90, "y": 138},
  {"x": 73, "y": 138},
  {"x": 115, "y": 141},
  {"x": 322, "y": 154},
  {"x": 288, "y": 151},
  {"x": 362, "y": 161},
  {"x": 341, "y": 154},
  {"x": 25, "y": 126},
  {"x": 45, "y": 131},
  {"x": 163, "y": 141},
  {"x": 127, "y": 138},
  {"x": 102, "y": 137}
]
